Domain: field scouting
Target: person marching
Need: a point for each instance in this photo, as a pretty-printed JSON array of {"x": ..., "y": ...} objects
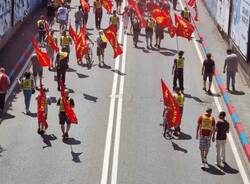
[
  {"x": 136, "y": 30},
  {"x": 62, "y": 60},
  {"x": 186, "y": 14},
  {"x": 125, "y": 18},
  {"x": 98, "y": 13},
  {"x": 27, "y": 86},
  {"x": 205, "y": 130},
  {"x": 65, "y": 41},
  {"x": 101, "y": 45},
  {"x": 62, "y": 17},
  {"x": 149, "y": 31},
  {"x": 79, "y": 19},
  {"x": 208, "y": 68},
  {"x": 174, "y": 4},
  {"x": 51, "y": 13},
  {"x": 177, "y": 71},
  {"x": 37, "y": 70},
  {"x": 114, "y": 19},
  {"x": 118, "y": 6},
  {"x": 63, "y": 116},
  {"x": 50, "y": 51},
  {"x": 45, "y": 101},
  {"x": 159, "y": 35},
  {"x": 41, "y": 28},
  {"x": 4, "y": 86},
  {"x": 180, "y": 100}
]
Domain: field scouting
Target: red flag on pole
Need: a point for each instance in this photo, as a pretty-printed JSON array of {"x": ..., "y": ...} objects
[
  {"x": 51, "y": 41},
  {"x": 41, "y": 105},
  {"x": 110, "y": 34},
  {"x": 172, "y": 31},
  {"x": 72, "y": 33},
  {"x": 107, "y": 4},
  {"x": 42, "y": 57},
  {"x": 191, "y": 3},
  {"x": 183, "y": 27},
  {"x": 68, "y": 109},
  {"x": 85, "y": 5},
  {"x": 133, "y": 5},
  {"x": 162, "y": 18},
  {"x": 81, "y": 44},
  {"x": 173, "y": 109}
]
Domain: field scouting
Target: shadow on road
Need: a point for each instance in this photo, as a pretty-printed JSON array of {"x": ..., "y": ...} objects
[
  {"x": 47, "y": 139},
  {"x": 75, "y": 156},
  {"x": 5, "y": 116},
  {"x": 228, "y": 169},
  {"x": 118, "y": 72},
  {"x": 213, "y": 170},
  {"x": 167, "y": 53},
  {"x": 184, "y": 136},
  {"x": 81, "y": 76},
  {"x": 1, "y": 150},
  {"x": 178, "y": 148},
  {"x": 197, "y": 99},
  {"x": 237, "y": 92},
  {"x": 71, "y": 141},
  {"x": 90, "y": 97}
]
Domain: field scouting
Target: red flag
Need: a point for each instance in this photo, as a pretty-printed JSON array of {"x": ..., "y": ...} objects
[
  {"x": 81, "y": 44},
  {"x": 107, "y": 4},
  {"x": 133, "y": 5},
  {"x": 68, "y": 109},
  {"x": 192, "y": 3},
  {"x": 42, "y": 57},
  {"x": 72, "y": 33},
  {"x": 85, "y": 5},
  {"x": 172, "y": 31},
  {"x": 51, "y": 41},
  {"x": 173, "y": 109},
  {"x": 110, "y": 34},
  {"x": 162, "y": 18},
  {"x": 183, "y": 27},
  {"x": 41, "y": 103}
]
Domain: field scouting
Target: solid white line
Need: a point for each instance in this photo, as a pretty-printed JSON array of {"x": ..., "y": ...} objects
[
  {"x": 119, "y": 116},
  {"x": 230, "y": 137},
  {"x": 105, "y": 168}
]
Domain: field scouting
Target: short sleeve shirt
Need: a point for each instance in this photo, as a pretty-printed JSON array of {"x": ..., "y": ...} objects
[
  {"x": 209, "y": 66},
  {"x": 231, "y": 62},
  {"x": 62, "y": 13},
  {"x": 222, "y": 129}
]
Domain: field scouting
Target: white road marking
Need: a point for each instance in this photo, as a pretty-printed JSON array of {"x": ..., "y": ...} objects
[
  {"x": 105, "y": 168},
  {"x": 119, "y": 116},
  {"x": 230, "y": 137}
]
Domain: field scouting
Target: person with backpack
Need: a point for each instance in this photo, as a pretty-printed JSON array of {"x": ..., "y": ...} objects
[
  {"x": 62, "y": 60},
  {"x": 4, "y": 86},
  {"x": 101, "y": 45}
]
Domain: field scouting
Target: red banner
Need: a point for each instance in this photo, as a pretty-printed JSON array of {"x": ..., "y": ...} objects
[
  {"x": 68, "y": 109},
  {"x": 183, "y": 27},
  {"x": 72, "y": 33},
  {"x": 173, "y": 109},
  {"x": 107, "y": 4},
  {"x": 191, "y": 3},
  {"x": 172, "y": 31},
  {"x": 133, "y": 5},
  {"x": 162, "y": 18},
  {"x": 110, "y": 34},
  {"x": 41, "y": 105},
  {"x": 51, "y": 41},
  {"x": 85, "y": 5},
  {"x": 81, "y": 44},
  {"x": 42, "y": 57}
]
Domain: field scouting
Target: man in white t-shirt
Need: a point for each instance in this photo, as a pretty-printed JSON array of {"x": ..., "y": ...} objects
[{"x": 62, "y": 17}]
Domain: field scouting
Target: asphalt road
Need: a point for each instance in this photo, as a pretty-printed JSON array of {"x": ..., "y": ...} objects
[{"x": 119, "y": 135}]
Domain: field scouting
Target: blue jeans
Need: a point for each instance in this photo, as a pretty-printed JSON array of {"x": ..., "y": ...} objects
[
  {"x": 27, "y": 97},
  {"x": 231, "y": 75}
]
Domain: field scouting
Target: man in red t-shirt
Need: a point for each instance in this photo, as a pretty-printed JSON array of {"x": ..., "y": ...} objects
[
  {"x": 4, "y": 86},
  {"x": 205, "y": 130}
]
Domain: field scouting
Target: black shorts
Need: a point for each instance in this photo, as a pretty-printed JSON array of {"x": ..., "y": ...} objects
[
  {"x": 209, "y": 76},
  {"x": 159, "y": 34},
  {"x": 149, "y": 32},
  {"x": 99, "y": 51},
  {"x": 63, "y": 118}
]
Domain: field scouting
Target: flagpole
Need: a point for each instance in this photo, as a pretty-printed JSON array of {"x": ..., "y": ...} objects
[{"x": 177, "y": 43}]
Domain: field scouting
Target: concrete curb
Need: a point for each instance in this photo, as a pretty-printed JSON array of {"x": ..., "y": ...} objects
[{"x": 235, "y": 118}]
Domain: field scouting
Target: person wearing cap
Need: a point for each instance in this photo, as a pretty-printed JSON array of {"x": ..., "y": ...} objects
[
  {"x": 62, "y": 60},
  {"x": 65, "y": 41},
  {"x": 150, "y": 24},
  {"x": 101, "y": 41},
  {"x": 207, "y": 71},
  {"x": 180, "y": 100},
  {"x": 4, "y": 86},
  {"x": 41, "y": 28},
  {"x": 222, "y": 128},
  {"x": 63, "y": 116},
  {"x": 114, "y": 20},
  {"x": 205, "y": 131},
  {"x": 177, "y": 71},
  {"x": 98, "y": 13},
  {"x": 186, "y": 14}
]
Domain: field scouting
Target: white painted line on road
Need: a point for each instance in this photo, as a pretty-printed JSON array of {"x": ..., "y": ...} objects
[
  {"x": 119, "y": 116},
  {"x": 230, "y": 137},
  {"x": 105, "y": 167}
]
